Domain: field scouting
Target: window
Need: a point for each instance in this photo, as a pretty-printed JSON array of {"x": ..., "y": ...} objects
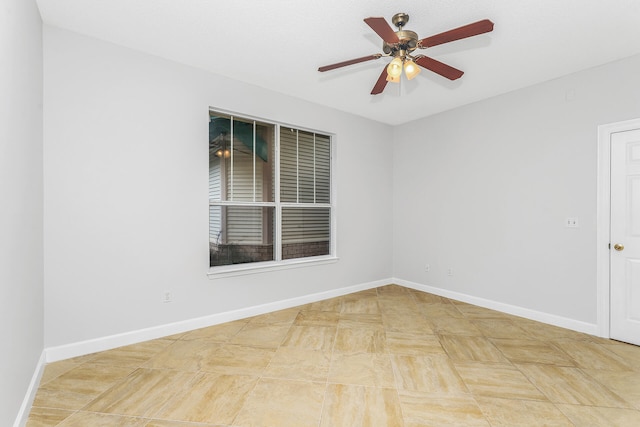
[{"x": 269, "y": 193}]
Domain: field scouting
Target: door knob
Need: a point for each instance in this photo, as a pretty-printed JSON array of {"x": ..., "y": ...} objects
[{"x": 618, "y": 247}]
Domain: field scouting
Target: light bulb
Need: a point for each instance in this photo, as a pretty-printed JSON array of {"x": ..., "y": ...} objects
[
  {"x": 411, "y": 69},
  {"x": 394, "y": 69}
]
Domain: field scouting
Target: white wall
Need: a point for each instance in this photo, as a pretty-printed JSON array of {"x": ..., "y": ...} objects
[
  {"x": 21, "y": 271},
  {"x": 126, "y": 206},
  {"x": 485, "y": 190}
]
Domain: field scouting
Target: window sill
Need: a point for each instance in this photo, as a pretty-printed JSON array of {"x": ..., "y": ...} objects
[{"x": 263, "y": 267}]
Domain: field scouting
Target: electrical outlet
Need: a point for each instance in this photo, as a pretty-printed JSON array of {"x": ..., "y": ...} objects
[
  {"x": 450, "y": 272},
  {"x": 166, "y": 296},
  {"x": 427, "y": 268},
  {"x": 571, "y": 223}
]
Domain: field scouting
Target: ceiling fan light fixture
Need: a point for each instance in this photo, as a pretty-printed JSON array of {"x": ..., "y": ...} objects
[
  {"x": 411, "y": 69},
  {"x": 394, "y": 69},
  {"x": 401, "y": 43}
]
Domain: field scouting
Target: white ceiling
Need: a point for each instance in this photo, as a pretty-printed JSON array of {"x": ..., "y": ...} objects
[{"x": 279, "y": 44}]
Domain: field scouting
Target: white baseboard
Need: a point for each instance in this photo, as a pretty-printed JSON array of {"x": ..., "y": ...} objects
[
  {"x": 54, "y": 354},
  {"x": 551, "y": 319},
  {"x": 25, "y": 408}
]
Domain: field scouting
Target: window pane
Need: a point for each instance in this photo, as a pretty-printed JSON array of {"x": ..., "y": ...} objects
[
  {"x": 306, "y": 167},
  {"x": 289, "y": 165},
  {"x": 240, "y": 234},
  {"x": 305, "y": 232},
  {"x": 305, "y": 160},
  {"x": 240, "y": 159},
  {"x": 323, "y": 169}
]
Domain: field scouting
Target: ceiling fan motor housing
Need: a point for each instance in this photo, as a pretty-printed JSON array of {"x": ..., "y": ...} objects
[
  {"x": 408, "y": 43},
  {"x": 408, "y": 39}
]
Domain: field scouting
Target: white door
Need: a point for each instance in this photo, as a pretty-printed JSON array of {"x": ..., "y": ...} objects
[{"x": 625, "y": 237}]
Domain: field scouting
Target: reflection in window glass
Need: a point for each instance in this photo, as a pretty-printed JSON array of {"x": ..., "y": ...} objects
[
  {"x": 306, "y": 232},
  {"x": 240, "y": 234}
]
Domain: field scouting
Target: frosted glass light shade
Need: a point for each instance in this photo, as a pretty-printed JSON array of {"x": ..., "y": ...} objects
[
  {"x": 411, "y": 69},
  {"x": 394, "y": 69}
]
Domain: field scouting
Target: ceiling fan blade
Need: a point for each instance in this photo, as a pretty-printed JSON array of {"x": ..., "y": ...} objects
[
  {"x": 438, "y": 67},
  {"x": 463, "y": 32},
  {"x": 349, "y": 62},
  {"x": 383, "y": 29},
  {"x": 381, "y": 83}
]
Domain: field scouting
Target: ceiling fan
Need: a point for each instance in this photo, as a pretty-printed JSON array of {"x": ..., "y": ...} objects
[{"x": 400, "y": 45}]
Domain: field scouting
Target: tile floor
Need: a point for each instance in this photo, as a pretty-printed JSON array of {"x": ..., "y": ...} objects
[{"x": 389, "y": 356}]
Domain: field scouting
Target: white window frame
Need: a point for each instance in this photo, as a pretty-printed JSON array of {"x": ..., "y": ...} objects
[{"x": 280, "y": 264}]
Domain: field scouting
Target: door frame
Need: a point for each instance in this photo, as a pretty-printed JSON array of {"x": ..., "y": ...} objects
[{"x": 603, "y": 220}]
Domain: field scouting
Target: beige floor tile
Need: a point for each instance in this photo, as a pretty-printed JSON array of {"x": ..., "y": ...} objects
[
  {"x": 399, "y": 306},
  {"x": 262, "y": 334},
  {"x": 392, "y": 289},
  {"x": 332, "y": 304},
  {"x": 432, "y": 311},
  {"x": 282, "y": 403},
  {"x": 500, "y": 328},
  {"x": 433, "y": 410},
  {"x": 165, "y": 423},
  {"x": 209, "y": 398},
  {"x": 532, "y": 351},
  {"x": 471, "y": 349},
  {"x": 522, "y": 413},
  {"x": 360, "y": 340},
  {"x": 311, "y": 337},
  {"x": 287, "y": 315},
  {"x": 406, "y": 323},
  {"x": 142, "y": 393},
  {"x": 54, "y": 370},
  {"x": 570, "y": 385},
  {"x": 355, "y": 320},
  {"x": 628, "y": 352},
  {"x": 238, "y": 360},
  {"x": 431, "y": 374},
  {"x": 222, "y": 332},
  {"x": 425, "y": 298},
  {"x": 86, "y": 419},
  {"x": 368, "y": 369},
  {"x": 475, "y": 312},
  {"x": 299, "y": 364},
  {"x": 132, "y": 355},
  {"x": 359, "y": 406},
  {"x": 317, "y": 318},
  {"x": 623, "y": 383},
  {"x": 184, "y": 355},
  {"x": 413, "y": 343},
  {"x": 77, "y": 387},
  {"x": 590, "y": 355},
  {"x": 502, "y": 381},
  {"x": 47, "y": 417},
  {"x": 593, "y": 416},
  {"x": 367, "y": 304},
  {"x": 544, "y": 332},
  {"x": 454, "y": 326},
  {"x": 404, "y": 303}
]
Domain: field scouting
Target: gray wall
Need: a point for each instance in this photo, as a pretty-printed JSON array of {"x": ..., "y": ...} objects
[
  {"x": 485, "y": 190},
  {"x": 21, "y": 271},
  {"x": 126, "y": 192}
]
